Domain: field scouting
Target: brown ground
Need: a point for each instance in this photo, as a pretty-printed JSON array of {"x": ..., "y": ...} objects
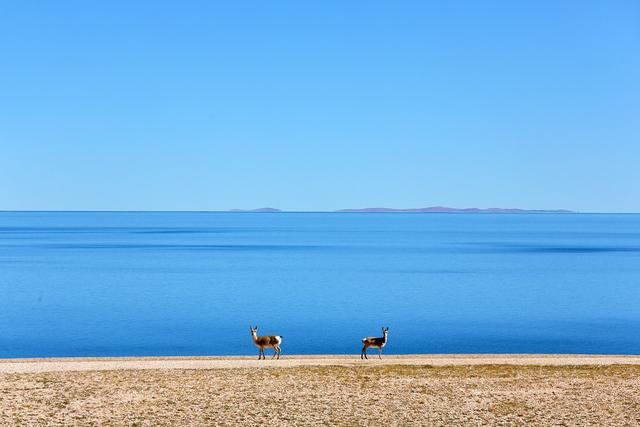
[
  {"x": 368, "y": 394},
  {"x": 290, "y": 361}
]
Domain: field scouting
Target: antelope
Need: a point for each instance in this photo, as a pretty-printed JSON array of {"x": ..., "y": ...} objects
[
  {"x": 374, "y": 342},
  {"x": 266, "y": 341}
]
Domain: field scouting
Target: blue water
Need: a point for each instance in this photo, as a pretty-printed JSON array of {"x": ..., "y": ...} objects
[{"x": 108, "y": 283}]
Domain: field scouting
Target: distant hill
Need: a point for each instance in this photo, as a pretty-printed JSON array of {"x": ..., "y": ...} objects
[
  {"x": 442, "y": 209},
  {"x": 256, "y": 210}
]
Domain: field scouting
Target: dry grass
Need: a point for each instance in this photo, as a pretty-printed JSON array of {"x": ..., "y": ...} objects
[{"x": 365, "y": 395}]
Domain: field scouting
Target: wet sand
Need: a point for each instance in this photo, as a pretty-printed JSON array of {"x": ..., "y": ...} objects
[
  {"x": 238, "y": 362},
  {"x": 321, "y": 390}
]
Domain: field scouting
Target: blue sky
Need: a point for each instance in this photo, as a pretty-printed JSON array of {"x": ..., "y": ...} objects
[{"x": 191, "y": 105}]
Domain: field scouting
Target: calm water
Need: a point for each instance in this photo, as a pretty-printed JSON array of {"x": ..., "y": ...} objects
[{"x": 104, "y": 283}]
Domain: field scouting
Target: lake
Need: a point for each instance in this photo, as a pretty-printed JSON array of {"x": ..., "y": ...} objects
[{"x": 191, "y": 283}]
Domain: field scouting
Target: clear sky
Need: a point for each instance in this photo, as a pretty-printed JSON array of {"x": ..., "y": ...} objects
[{"x": 202, "y": 105}]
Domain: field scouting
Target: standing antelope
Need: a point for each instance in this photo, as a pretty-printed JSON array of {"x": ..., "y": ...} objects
[
  {"x": 267, "y": 341},
  {"x": 374, "y": 342}
]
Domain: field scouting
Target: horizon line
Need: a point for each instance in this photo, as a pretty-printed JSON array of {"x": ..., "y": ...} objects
[{"x": 232, "y": 211}]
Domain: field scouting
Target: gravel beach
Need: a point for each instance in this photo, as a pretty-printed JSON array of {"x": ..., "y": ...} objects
[{"x": 320, "y": 390}]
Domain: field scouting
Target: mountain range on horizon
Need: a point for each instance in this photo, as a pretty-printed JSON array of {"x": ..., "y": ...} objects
[{"x": 432, "y": 209}]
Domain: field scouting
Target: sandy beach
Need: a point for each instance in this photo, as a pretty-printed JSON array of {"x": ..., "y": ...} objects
[
  {"x": 244, "y": 362},
  {"x": 320, "y": 390}
]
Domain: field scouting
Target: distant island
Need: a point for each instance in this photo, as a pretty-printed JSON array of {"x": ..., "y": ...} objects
[{"x": 443, "y": 209}]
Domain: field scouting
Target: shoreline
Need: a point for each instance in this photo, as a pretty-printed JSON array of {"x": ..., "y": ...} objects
[
  {"x": 406, "y": 390},
  {"x": 512, "y": 391},
  {"x": 80, "y": 364}
]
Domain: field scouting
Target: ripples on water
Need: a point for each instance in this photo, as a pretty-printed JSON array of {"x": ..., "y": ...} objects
[{"x": 107, "y": 283}]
